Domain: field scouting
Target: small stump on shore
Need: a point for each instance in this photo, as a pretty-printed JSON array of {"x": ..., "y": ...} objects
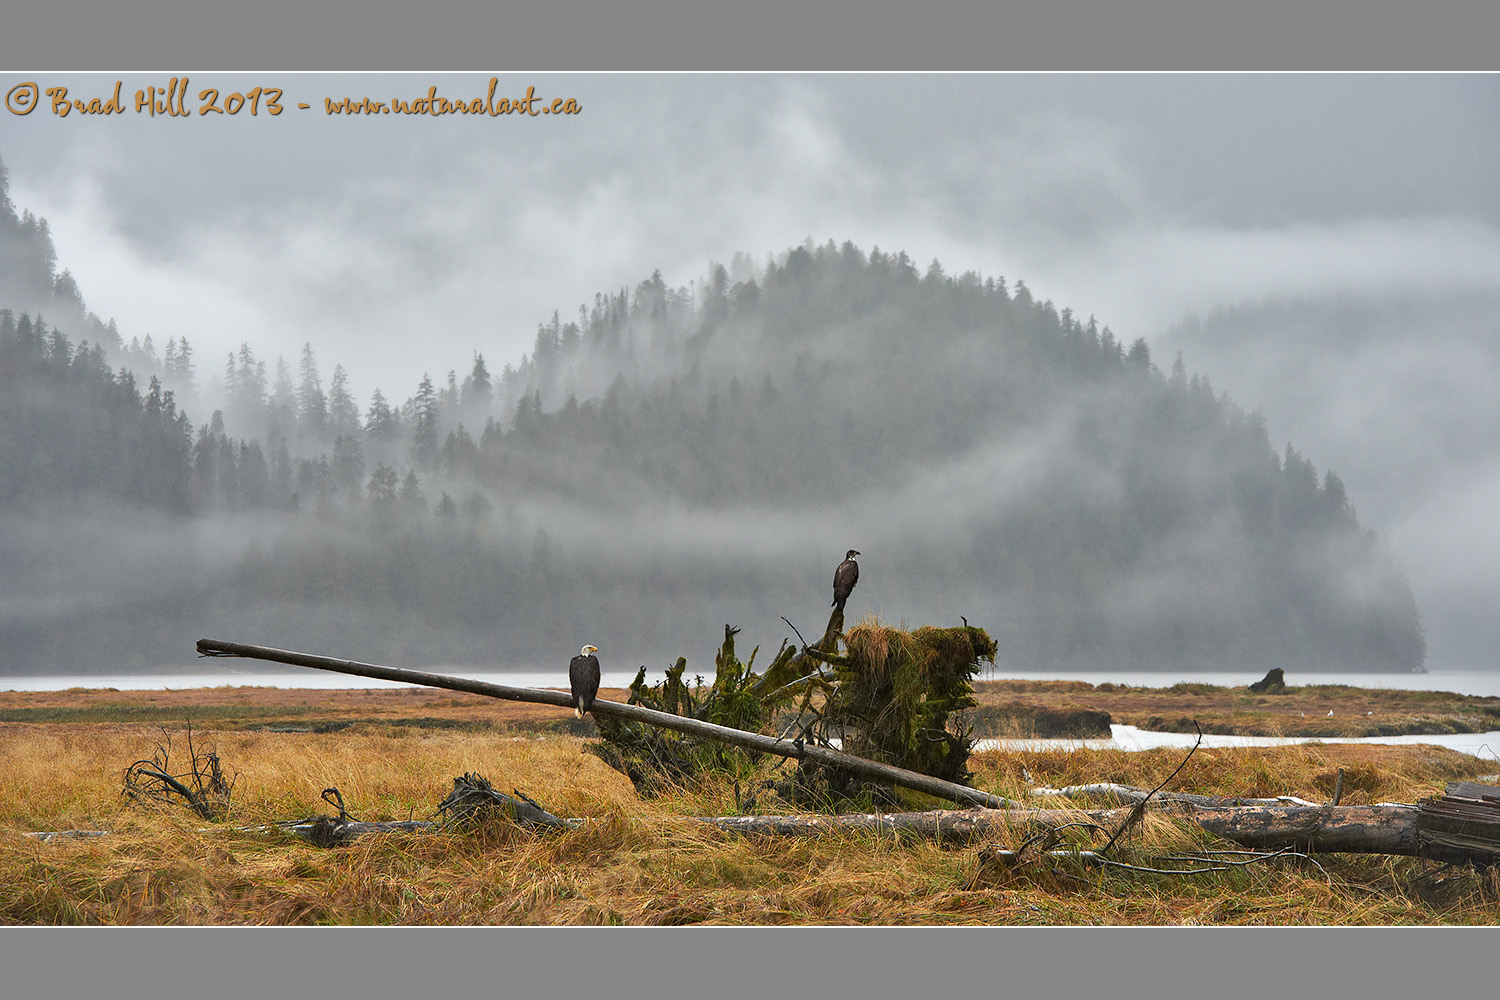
[{"x": 1273, "y": 682}]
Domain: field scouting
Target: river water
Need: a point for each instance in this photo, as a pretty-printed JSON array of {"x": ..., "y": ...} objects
[
  {"x": 1483, "y": 683},
  {"x": 1483, "y": 745},
  {"x": 1473, "y": 682}
]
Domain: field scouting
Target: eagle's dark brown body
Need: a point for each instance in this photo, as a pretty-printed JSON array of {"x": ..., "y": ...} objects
[
  {"x": 844, "y": 579},
  {"x": 583, "y": 678}
]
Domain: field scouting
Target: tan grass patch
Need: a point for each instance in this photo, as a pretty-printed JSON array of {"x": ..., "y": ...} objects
[{"x": 643, "y": 861}]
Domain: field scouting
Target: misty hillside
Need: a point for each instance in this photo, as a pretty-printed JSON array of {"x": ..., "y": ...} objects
[
  {"x": 667, "y": 461},
  {"x": 1399, "y": 383}
]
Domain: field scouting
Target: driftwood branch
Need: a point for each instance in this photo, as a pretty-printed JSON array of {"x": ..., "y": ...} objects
[
  {"x": 202, "y": 788},
  {"x": 473, "y": 798},
  {"x": 799, "y": 750},
  {"x": 793, "y": 628}
]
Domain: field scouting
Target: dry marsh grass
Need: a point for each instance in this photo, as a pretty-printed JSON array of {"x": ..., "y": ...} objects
[{"x": 645, "y": 862}]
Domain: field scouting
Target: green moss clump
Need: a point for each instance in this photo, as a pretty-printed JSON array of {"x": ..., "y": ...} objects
[
  {"x": 655, "y": 759},
  {"x": 891, "y": 696},
  {"x": 897, "y": 691}
]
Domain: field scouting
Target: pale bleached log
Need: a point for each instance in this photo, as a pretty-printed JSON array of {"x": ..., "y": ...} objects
[
  {"x": 1126, "y": 793},
  {"x": 1389, "y": 828}
]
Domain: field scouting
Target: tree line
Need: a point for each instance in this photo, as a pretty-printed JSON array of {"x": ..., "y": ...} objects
[{"x": 1004, "y": 457}]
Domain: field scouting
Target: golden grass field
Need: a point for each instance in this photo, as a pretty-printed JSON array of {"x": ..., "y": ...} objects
[{"x": 637, "y": 861}]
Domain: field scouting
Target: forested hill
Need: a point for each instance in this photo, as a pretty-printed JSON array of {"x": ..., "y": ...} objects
[{"x": 675, "y": 459}]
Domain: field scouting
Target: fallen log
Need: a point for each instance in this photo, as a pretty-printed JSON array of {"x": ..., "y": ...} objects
[
  {"x": 334, "y": 831},
  {"x": 794, "y": 749},
  {"x": 947, "y": 825},
  {"x": 50, "y": 835},
  {"x": 1458, "y": 827},
  {"x": 1388, "y": 829},
  {"x": 1465, "y": 818},
  {"x": 1126, "y": 793},
  {"x": 1384, "y": 829}
]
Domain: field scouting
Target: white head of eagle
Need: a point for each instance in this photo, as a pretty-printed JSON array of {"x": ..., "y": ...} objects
[{"x": 583, "y": 679}]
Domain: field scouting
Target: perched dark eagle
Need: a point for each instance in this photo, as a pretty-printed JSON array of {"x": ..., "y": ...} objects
[
  {"x": 844, "y": 579},
  {"x": 583, "y": 677}
]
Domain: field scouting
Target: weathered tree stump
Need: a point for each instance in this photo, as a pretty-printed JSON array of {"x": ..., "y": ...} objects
[{"x": 1273, "y": 682}]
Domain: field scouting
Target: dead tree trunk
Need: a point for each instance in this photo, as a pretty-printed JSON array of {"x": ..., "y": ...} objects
[
  {"x": 1383, "y": 829},
  {"x": 950, "y": 825},
  {"x": 795, "y": 749},
  {"x": 1387, "y": 829}
]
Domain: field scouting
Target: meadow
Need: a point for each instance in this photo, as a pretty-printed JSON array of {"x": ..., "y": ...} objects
[{"x": 394, "y": 754}]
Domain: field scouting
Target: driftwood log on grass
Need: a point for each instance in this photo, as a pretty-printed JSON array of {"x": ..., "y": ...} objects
[
  {"x": 473, "y": 798},
  {"x": 1462, "y": 825},
  {"x": 1384, "y": 829},
  {"x": 1126, "y": 793},
  {"x": 794, "y": 749}
]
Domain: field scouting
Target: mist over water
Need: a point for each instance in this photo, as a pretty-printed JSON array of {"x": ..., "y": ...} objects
[{"x": 687, "y": 416}]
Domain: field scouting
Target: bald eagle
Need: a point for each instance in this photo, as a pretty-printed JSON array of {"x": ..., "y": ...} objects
[
  {"x": 844, "y": 579},
  {"x": 583, "y": 676}
]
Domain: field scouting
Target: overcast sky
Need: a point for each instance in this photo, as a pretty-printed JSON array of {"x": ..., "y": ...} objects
[{"x": 399, "y": 245}]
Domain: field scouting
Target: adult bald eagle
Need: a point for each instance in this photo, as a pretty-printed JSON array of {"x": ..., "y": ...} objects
[
  {"x": 583, "y": 677},
  {"x": 844, "y": 579}
]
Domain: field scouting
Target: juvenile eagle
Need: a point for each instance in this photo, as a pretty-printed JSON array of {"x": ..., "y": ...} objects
[
  {"x": 583, "y": 677},
  {"x": 844, "y": 579}
]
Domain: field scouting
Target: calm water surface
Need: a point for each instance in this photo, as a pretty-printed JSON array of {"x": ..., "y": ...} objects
[
  {"x": 1483, "y": 745},
  {"x": 308, "y": 679},
  {"x": 1472, "y": 682}
]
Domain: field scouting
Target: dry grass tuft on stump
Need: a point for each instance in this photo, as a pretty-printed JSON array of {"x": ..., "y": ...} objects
[{"x": 898, "y": 691}]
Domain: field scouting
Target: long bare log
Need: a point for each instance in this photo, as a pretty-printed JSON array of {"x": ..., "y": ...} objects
[
  {"x": 794, "y": 749},
  {"x": 1127, "y": 793},
  {"x": 1387, "y": 829},
  {"x": 329, "y": 831},
  {"x": 954, "y": 825},
  {"x": 1287, "y": 822},
  {"x": 1382, "y": 829}
]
